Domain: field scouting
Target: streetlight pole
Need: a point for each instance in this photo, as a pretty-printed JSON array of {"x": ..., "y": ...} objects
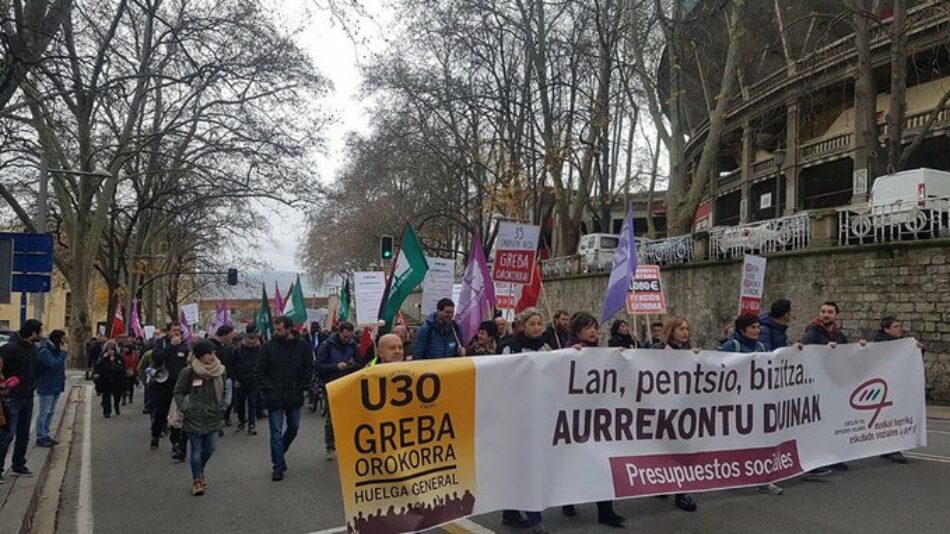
[{"x": 39, "y": 300}]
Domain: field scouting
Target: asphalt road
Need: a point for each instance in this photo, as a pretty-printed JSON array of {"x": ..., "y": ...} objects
[{"x": 120, "y": 486}]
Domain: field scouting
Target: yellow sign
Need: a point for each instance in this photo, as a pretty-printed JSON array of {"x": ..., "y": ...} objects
[{"x": 406, "y": 444}]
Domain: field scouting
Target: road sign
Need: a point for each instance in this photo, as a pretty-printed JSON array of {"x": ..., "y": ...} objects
[{"x": 31, "y": 264}]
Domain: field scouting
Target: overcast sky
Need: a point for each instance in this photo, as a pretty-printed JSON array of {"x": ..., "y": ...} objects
[{"x": 338, "y": 58}]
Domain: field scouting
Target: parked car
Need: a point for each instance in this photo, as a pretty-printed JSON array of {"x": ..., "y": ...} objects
[{"x": 597, "y": 251}]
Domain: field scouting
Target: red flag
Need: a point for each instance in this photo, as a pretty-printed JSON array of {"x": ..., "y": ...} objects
[
  {"x": 118, "y": 323},
  {"x": 366, "y": 342},
  {"x": 530, "y": 294}
]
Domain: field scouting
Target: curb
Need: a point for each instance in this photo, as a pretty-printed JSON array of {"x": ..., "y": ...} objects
[
  {"x": 19, "y": 496},
  {"x": 938, "y": 412}
]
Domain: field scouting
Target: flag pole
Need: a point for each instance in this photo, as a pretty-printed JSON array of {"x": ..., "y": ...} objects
[{"x": 547, "y": 307}]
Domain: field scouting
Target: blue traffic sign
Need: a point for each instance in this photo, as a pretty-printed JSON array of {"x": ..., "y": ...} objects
[{"x": 32, "y": 261}]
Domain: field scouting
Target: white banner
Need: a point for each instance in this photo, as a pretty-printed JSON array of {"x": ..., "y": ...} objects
[
  {"x": 456, "y": 292},
  {"x": 191, "y": 314},
  {"x": 753, "y": 285},
  {"x": 437, "y": 284},
  {"x": 317, "y": 316},
  {"x": 536, "y": 430},
  {"x": 149, "y": 331},
  {"x": 370, "y": 286}
]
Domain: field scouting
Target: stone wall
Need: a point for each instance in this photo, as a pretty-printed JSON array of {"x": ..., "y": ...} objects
[{"x": 910, "y": 280}]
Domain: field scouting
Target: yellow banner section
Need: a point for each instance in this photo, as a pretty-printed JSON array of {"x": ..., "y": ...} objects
[{"x": 405, "y": 436}]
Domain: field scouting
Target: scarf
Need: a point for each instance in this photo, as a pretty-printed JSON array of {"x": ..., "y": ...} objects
[
  {"x": 832, "y": 330},
  {"x": 212, "y": 372},
  {"x": 573, "y": 342}
]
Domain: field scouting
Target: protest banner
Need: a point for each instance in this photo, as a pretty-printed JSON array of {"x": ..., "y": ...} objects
[
  {"x": 429, "y": 442},
  {"x": 370, "y": 286},
  {"x": 646, "y": 292},
  {"x": 516, "y": 248},
  {"x": 438, "y": 283},
  {"x": 456, "y": 292},
  {"x": 317, "y": 316},
  {"x": 149, "y": 331},
  {"x": 505, "y": 295},
  {"x": 753, "y": 285},
  {"x": 190, "y": 311}
]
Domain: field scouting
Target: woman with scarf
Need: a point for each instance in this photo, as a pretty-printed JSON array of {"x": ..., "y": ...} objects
[
  {"x": 484, "y": 342},
  {"x": 529, "y": 339},
  {"x": 745, "y": 339},
  {"x": 620, "y": 336},
  {"x": 111, "y": 378},
  {"x": 675, "y": 336},
  {"x": 585, "y": 332},
  {"x": 199, "y": 393}
]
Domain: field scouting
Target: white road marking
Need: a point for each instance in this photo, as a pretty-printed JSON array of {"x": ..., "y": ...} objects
[
  {"x": 330, "y": 530},
  {"x": 928, "y": 457},
  {"x": 84, "y": 519},
  {"x": 938, "y": 432}
]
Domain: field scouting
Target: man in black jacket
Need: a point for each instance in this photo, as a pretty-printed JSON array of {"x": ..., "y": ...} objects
[
  {"x": 19, "y": 360},
  {"x": 241, "y": 371},
  {"x": 170, "y": 352},
  {"x": 557, "y": 335},
  {"x": 224, "y": 348},
  {"x": 336, "y": 357},
  {"x": 283, "y": 373}
]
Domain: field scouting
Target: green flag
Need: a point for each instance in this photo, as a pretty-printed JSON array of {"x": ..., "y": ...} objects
[
  {"x": 344, "y": 314},
  {"x": 296, "y": 307},
  {"x": 408, "y": 272},
  {"x": 265, "y": 323}
]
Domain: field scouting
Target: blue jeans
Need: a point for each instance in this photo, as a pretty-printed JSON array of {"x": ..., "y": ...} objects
[
  {"x": 45, "y": 416},
  {"x": 202, "y": 447},
  {"x": 19, "y": 414},
  {"x": 279, "y": 440}
]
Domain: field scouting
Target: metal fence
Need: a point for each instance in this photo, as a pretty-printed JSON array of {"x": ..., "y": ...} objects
[
  {"x": 668, "y": 251},
  {"x": 774, "y": 235},
  {"x": 897, "y": 221}
]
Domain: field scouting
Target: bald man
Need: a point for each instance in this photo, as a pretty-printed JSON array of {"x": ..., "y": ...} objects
[{"x": 390, "y": 350}]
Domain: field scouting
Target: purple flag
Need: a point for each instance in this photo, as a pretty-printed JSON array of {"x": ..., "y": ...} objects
[
  {"x": 220, "y": 318},
  {"x": 134, "y": 323},
  {"x": 625, "y": 265},
  {"x": 478, "y": 292},
  {"x": 185, "y": 330}
]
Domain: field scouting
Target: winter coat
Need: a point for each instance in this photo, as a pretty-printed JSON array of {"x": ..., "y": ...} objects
[
  {"x": 772, "y": 335},
  {"x": 284, "y": 371},
  {"x": 623, "y": 341},
  {"x": 202, "y": 413},
  {"x": 815, "y": 334},
  {"x": 50, "y": 370},
  {"x": 522, "y": 343},
  {"x": 334, "y": 351},
  {"x": 881, "y": 335},
  {"x": 243, "y": 362},
  {"x": 131, "y": 362},
  {"x": 111, "y": 373},
  {"x": 173, "y": 357},
  {"x": 225, "y": 353},
  {"x": 555, "y": 339},
  {"x": 437, "y": 340},
  {"x": 740, "y": 343},
  {"x": 19, "y": 360}
]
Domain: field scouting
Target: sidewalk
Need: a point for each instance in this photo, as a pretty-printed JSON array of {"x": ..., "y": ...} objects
[
  {"x": 938, "y": 412},
  {"x": 19, "y": 495}
]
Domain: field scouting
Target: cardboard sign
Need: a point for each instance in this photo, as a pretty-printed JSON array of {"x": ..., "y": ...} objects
[
  {"x": 753, "y": 285},
  {"x": 438, "y": 283},
  {"x": 191, "y": 313},
  {"x": 370, "y": 286},
  {"x": 516, "y": 249},
  {"x": 646, "y": 292}
]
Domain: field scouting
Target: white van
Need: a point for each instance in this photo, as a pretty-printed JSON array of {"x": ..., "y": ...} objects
[
  {"x": 904, "y": 191},
  {"x": 597, "y": 251}
]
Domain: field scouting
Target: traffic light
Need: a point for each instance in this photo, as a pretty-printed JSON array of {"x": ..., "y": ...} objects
[
  {"x": 232, "y": 277},
  {"x": 386, "y": 247}
]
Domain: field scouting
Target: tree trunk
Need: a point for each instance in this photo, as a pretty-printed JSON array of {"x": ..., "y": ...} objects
[{"x": 898, "y": 107}]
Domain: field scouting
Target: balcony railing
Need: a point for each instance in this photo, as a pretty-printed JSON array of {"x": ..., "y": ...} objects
[
  {"x": 897, "y": 221},
  {"x": 764, "y": 168},
  {"x": 826, "y": 147},
  {"x": 667, "y": 251},
  {"x": 774, "y": 235}
]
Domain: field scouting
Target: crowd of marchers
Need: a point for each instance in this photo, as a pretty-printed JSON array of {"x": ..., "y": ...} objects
[{"x": 191, "y": 387}]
